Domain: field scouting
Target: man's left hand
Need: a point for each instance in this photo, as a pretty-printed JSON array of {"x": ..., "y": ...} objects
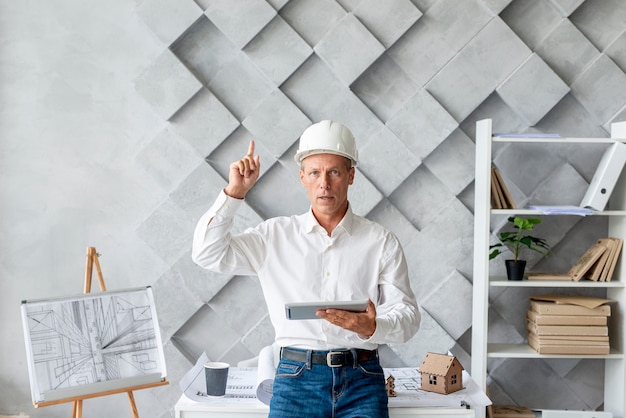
[{"x": 363, "y": 323}]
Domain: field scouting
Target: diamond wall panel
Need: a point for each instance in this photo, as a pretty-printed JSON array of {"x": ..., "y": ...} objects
[
  {"x": 478, "y": 69},
  {"x": 384, "y": 88},
  {"x": 532, "y": 90},
  {"x": 567, "y": 7},
  {"x": 277, "y": 123},
  {"x": 348, "y": 49},
  {"x": 205, "y": 49},
  {"x": 167, "y": 85},
  {"x": 433, "y": 197},
  {"x": 452, "y": 310},
  {"x": 389, "y": 20},
  {"x": 600, "y": 21},
  {"x": 422, "y": 124},
  {"x": 438, "y": 36},
  {"x": 567, "y": 51},
  {"x": 241, "y": 86},
  {"x": 400, "y": 161},
  {"x": 617, "y": 51},
  {"x": 168, "y": 159},
  {"x": 531, "y": 20},
  {"x": 278, "y": 50},
  {"x": 242, "y": 20},
  {"x": 168, "y": 19},
  {"x": 205, "y": 123},
  {"x": 312, "y": 18},
  {"x": 388, "y": 215},
  {"x": 595, "y": 88},
  {"x": 450, "y": 164}
]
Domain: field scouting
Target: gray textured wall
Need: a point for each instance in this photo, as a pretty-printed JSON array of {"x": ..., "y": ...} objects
[{"x": 117, "y": 124}]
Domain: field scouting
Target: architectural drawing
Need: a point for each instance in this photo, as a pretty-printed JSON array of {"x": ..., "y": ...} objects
[{"x": 91, "y": 339}]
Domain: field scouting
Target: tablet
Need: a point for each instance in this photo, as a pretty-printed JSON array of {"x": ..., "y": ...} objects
[{"x": 306, "y": 310}]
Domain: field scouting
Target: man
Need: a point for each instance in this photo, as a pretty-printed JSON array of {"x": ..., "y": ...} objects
[{"x": 329, "y": 367}]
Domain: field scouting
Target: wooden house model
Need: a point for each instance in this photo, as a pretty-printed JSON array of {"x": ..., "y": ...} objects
[
  {"x": 390, "y": 384},
  {"x": 441, "y": 373}
]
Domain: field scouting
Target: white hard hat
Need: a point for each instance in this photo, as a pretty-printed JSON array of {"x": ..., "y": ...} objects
[{"x": 327, "y": 137}]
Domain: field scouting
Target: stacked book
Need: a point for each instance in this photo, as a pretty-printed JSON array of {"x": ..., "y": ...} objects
[
  {"x": 558, "y": 324},
  {"x": 597, "y": 263},
  {"x": 500, "y": 196}
]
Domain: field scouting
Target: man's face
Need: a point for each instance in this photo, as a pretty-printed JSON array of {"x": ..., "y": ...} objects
[{"x": 326, "y": 178}]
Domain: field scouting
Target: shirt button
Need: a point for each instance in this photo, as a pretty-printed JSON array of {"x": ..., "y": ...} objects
[{"x": 327, "y": 273}]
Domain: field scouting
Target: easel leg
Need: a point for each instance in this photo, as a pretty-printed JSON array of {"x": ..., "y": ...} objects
[
  {"x": 89, "y": 269},
  {"x": 96, "y": 262},
  {"x": 133, "y": 407},
  {"x": 77, "y": 410},
  {"x": 92, "y": 260}
]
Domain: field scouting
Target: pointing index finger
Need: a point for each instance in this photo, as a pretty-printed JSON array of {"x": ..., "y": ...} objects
[{"x": 251, "y": 148}]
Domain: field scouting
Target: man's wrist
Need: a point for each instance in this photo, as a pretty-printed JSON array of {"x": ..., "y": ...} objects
[{"x": 234, "y": 194}]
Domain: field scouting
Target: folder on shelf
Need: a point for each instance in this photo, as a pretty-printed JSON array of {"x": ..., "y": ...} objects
[
  {"x": 609, "y": 269},
  {"x": 605, "y": 177},
  {"x": 566, "y": 324},
  {"x": 496, "y": 197},
  {"x": 547, "y": 347},
  {"x": 500, "y": 196},
  {"x": 596, "y": 264},
  {"x": 546, "y": 319},
  {"x": 569, "y": 330},
  {"x": 595, "y": 272},
  {"x": 570, "y": 305},
  {"x": 579, "y": 269}
]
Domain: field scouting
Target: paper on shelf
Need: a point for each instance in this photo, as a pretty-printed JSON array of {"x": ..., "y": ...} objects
[
  {"x": 561, "y": 210},
  {"x": 527, "y": 135}
]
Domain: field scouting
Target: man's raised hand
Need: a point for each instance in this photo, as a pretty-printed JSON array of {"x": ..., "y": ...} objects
[{"x": 243, "y": 174}]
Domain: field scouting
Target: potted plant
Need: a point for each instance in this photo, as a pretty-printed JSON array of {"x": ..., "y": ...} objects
[{"x": 517, "y": 241}]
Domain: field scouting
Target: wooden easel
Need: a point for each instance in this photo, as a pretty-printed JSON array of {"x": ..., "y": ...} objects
[{"x": 77, "y": 409}]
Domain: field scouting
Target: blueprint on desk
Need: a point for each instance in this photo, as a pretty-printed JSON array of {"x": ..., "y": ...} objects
[
  {"x": 92, "y": 343},
  {"x": 407, "y": 387}
]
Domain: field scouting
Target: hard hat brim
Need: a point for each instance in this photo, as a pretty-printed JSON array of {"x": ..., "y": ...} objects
[{"x": 301, "y": 155}]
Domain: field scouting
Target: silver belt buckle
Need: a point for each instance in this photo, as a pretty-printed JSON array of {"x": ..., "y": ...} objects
[{"x": 329, "y": 358}]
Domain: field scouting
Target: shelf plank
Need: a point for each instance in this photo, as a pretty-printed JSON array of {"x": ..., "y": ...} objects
[
  {"x": 503, "y": 282},
  {"x": 512, "y": 212},
  {"x": 525, "y": 351},
  {"x": 557, "y": 140}
]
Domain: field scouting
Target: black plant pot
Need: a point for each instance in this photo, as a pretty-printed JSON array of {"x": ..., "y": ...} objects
[{"x": 515, "y": 269}]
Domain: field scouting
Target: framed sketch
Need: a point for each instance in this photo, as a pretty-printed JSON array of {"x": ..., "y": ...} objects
[{"x": 92, "y": 343}]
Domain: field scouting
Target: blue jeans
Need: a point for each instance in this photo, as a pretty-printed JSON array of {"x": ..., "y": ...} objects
[{"x": 305, "y": 390}]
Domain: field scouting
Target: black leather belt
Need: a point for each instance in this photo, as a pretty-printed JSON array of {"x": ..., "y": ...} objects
[{"x": 337, "y": 358}]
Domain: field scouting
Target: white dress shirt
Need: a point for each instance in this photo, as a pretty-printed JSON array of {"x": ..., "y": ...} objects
[{"x": 296, "y": 261}]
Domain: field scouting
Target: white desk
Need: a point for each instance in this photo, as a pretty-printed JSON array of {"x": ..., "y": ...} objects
[{"x": 186, "y": 408}]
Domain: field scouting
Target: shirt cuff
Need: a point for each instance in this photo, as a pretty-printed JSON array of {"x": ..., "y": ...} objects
[
  {"x": 378, "y": 331},
  {"x": 226, "y": 206}
]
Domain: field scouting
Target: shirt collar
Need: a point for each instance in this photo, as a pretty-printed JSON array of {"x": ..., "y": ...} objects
[{"x": 346, "y": 223}]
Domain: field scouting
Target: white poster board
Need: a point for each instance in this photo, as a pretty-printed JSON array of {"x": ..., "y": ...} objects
[{"x": 92, "y": 343}]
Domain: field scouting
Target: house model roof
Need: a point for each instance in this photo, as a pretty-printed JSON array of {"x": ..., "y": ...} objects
[{"x": 437, "y": 364}]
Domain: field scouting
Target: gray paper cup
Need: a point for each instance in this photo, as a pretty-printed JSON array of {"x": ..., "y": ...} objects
[{"x": 216, "y": 375}]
